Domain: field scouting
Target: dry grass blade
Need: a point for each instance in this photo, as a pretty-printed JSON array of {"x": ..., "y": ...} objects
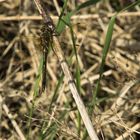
[
  {"x": 127, "y": 133},
  {"x": 75, "y": 17},
  {"x": 78, "y": 50},
  {"x": 72, "y": 86},
  {"x": 123, "y": 92},
  {"x": 10, "y": 116},
  {"x": 70, "y": 80}
]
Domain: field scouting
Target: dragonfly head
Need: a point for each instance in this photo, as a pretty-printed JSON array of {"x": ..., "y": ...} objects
[{"x": 51, "y": 26}]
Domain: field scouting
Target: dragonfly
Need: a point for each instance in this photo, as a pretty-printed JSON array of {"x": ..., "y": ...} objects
[
  {"x": 47, "y": 32},
  {"x": 45, "y": 39}
]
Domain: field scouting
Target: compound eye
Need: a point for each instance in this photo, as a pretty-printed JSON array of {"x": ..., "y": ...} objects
[{"x": 50, "y": 25}]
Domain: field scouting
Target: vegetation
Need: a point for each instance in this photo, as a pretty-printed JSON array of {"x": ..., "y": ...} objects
[{"x": 100, "y": 42}]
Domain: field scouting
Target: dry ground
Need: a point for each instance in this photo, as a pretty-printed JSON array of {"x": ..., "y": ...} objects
[{"x": 116, "y": 116}]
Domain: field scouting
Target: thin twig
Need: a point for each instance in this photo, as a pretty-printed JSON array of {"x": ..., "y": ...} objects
[
  {"x": 14, "y": 123},
  {"x": 75, "y": 17},
  {"x": 123, "y": 93},
  {"x": 127, "y": 133},
  {"x": 75, "y": 94}
]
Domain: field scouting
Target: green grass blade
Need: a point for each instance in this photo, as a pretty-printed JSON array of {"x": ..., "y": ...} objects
[
  {"x": 60, "y": 25},
  {"x": 56, "y": 91},
  {"x": 105, "y": 51},
  {"x": 66, "y": 20},
  {"x": 38, "y": 78},
  {"x": 130, "y": 6},
  {"x": 36, "y": 91},
  {"x": 86, "y": 4},
  {"x": 107, "y": 45},
  {"x": 78, "y": 83}
]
